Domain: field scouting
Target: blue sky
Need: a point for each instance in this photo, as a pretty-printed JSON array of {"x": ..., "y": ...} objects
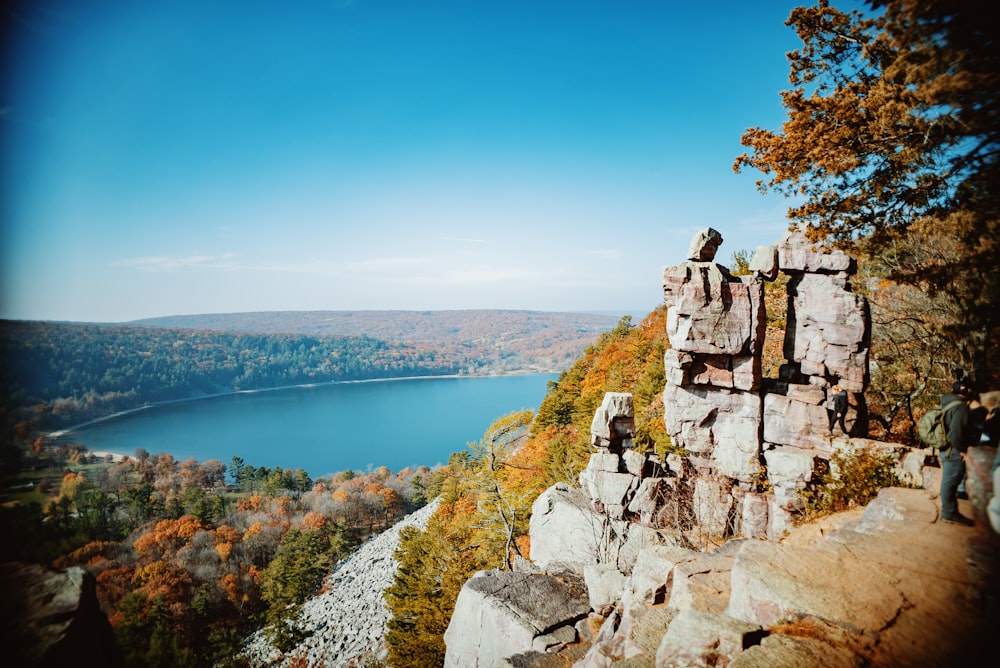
[{"x": 181, "y": 157}]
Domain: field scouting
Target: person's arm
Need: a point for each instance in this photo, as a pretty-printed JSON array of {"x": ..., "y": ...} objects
[{"x": 956, "y": 420}]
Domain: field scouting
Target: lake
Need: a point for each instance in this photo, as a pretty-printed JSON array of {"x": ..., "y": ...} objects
[{"x": 325, "y": 428}]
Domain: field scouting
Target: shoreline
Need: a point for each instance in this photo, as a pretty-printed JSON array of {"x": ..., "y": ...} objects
[{"x": 63, "y": 433}]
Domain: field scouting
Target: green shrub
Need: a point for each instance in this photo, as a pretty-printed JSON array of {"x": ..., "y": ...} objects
[{"x": 851, "y": 479}]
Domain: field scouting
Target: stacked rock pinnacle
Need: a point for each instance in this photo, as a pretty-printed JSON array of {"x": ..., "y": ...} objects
[
  {"x": 718, "y": 407},
  {"x": 715, "y": 325},
  {"x": 737, "y": 428}
]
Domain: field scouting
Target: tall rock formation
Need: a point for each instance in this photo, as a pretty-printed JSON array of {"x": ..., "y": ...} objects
[{"x": 734, "y": 423}]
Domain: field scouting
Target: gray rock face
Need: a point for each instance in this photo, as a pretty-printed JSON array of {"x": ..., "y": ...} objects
[
  {"x": 499, "y": 614},
  {"x": 704, "y": 245},
  {"x": 862, "y": 591},
  {"x": 716, "y": 404},
  {"x": 565, "y": 529},
  {"x": 53, "y": 618},
  {"x": 613, "y": 425},
  {"x": 797, "y": 254},
  {"x": 829, "y": 330},
  {"x": 710, "y": 311}
]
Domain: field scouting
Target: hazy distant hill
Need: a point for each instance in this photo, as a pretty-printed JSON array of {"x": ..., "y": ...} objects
[
  {"x": 458, "y": 325},
  {"x": 506, "y": 340}
]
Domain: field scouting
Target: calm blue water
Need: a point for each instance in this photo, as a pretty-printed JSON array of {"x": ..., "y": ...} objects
[{"x": 325, "y": 428}]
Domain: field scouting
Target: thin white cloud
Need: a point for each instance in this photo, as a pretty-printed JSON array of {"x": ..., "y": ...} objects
[
  {"x": 472, "y": 276},
  {"x": 466, "y": 240},
  {"x": 229, "y": 262},
  {"x": 161, "y": 263},
  {"x": 384, "y": 262},
  {"x": 607, "y": 254}
]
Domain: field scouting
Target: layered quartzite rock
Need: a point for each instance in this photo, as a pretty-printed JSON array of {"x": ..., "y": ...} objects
[{"x": 717, "y": 405}]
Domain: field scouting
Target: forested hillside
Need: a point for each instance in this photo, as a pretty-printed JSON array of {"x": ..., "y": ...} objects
[
  {"x": 59, "y": 374},
  {"x": 498, "y": 340}
]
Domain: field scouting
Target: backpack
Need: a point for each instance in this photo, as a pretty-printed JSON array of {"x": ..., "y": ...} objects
[{"x": 931, "y": 427}]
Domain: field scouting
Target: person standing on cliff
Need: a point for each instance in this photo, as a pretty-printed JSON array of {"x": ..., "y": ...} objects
[
  {"x": 838, "y": 408},
  {"x": 962, "y": 433}
]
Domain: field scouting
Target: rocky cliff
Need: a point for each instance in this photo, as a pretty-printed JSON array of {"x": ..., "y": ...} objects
[
  {"x": 887, "y": 585},
  {"x": 695, "y": 559},
  {"x": 51, "y": 618}
]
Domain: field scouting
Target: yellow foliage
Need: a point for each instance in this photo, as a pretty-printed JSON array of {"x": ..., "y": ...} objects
[
  {"x": 223, "y": 550},
  {"x": 153, "y": 571},
  {"x": 252, "y": 530},
  {"x": 72, "y": 485}
]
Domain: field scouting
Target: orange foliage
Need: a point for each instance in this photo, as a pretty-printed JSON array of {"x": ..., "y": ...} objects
[
  {"x": 227, "y": 534},
  {"x": 153, "y": 571},
  {"x": 168, "y": 536},
  {"x": 251, "y": 504},
  {"x": 112, "y": 584},
  {"x": 390, "y": 498},
  {"x": 161, "y": 578},
  {"x": 524, "y": 544},
  {"x": 236, "y": 588},
  {"x": 91, "y": 553},
  {"x": 282, "y": 505},
  {"x": 313, "y": 520},
  {"x": 340, "y": 495}
]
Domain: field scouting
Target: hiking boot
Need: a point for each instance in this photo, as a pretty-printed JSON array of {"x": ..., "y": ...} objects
[{"x": 958, "y": 519}]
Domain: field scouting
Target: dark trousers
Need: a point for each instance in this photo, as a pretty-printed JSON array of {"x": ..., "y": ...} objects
[
  {"x": 834, "y": 419},
  {"x": 952, "y": 472}
]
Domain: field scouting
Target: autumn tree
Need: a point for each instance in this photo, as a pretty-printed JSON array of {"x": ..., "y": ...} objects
[
  {"x": 891, "y": 149},
  {"x": 628, "y": 358},
  {"x": 433, "y": 566},
  {"x": 503, "y": 505},
  {"x": 303, "y": 559}
]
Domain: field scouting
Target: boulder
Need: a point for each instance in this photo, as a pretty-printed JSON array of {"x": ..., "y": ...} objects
[
  {"x": 696, "y": 638},
  {"x": 829, "y": 330},
  {"x": 712, "y": 505},
  {"x": 651, "y": 575},
  {"x": 797, "y": 254},
  {"x": 499, "y": 614},
  {"x": 565, "y": 529},
  {"x": 604, "y": 585},
  {"x": 53, "y": 618},
  {"x": 753, "y": 516},
  {"x": 704, "y": 245},
  {"x": 788, "y": 421},
  {"x": 764, "y": 262},
  {"x": 701, "y": 420},
  {"x": 702, "y": 584},
  {"x": 613, "y": 422},
  {"x": 783, "y": 651},
  {"x": 709, "y": 311}
]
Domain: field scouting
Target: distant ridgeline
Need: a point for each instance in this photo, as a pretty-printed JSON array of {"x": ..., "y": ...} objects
[{"x": 58, "y": 374}]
